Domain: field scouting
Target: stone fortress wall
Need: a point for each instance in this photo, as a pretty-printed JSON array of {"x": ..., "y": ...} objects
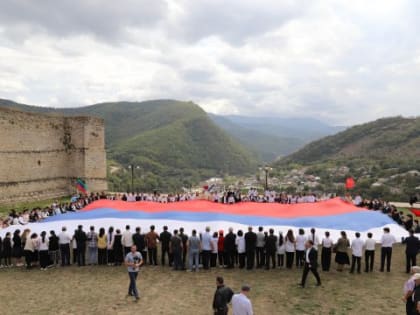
[{"x": 42, "y": 155}]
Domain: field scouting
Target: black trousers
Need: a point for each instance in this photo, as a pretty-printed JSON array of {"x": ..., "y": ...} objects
[
  {"x": 110, "y": 256},
  {"x": 289, "y": 259},
  {"x": 250, "y": 258},
  {"x": 165, "y": 252},
  {"x": 260, "y": 257},
  {"x": 44, "y": 258},
  {"x": 300, "y": 258},
  {"x": 326, "y": 259},
  {"x": 28, "y": 258},
  {"x": 101, "y": 256},
  {"x": 355, "y": 261},
  {"x": 152, "y": 256},
  {"x": 230, "y": 259},
  {"x": 242, "y": 257},
  {"x": 306, "y": 270},
  {"x": 369, "y": 260},
  {"x": 65, "y": 254},
  {"x": 81, "y": 255},
  {"x": 213, "y": 260},
  {"x": 411, "y": 260},
  {"x": 221, "y": 257},
  {"x": 74, "y": 255},
  {"x": 409, "y": 307},
  {"x": 144, "y": 255},
  {"x": 280, "y": 260},
  {"x": 270, "y": 256},
  {"x": 206, "y": 258},
  {"x": 386, "y": 255}
]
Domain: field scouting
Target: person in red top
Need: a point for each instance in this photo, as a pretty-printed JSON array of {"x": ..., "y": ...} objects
[{"x": 220, "y": 249}]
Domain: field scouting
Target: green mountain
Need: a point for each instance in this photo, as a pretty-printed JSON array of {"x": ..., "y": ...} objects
[
  {"x": 268, "y": 146},
  {"x": 175, "y": 144},
  {"x": 383, "y": 156}
]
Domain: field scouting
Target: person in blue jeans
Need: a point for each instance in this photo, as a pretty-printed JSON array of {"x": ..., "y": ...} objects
[
  {"x": 194, "y": 247},
  {"x": 133, "y": 261}
]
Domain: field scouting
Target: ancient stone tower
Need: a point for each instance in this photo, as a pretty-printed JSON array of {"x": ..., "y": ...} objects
[{"x": 42, "y": 155}]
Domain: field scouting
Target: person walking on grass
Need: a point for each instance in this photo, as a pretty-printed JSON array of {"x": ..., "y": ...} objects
[
  {"x": 311, "y": 263},
  {"x": 222, "y": 297},
  {"x": 241, "y": 305},
  {"x": 133, "y": 261}
]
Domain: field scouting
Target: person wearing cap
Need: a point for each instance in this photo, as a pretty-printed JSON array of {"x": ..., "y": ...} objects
[
  {"x": 311, "y": 263},
  {"x": 387, "y": 241},
  {"x": 241, "y": 305},
  {"x": 408, "y": 290},
  {"x": 222, "y": 297}
]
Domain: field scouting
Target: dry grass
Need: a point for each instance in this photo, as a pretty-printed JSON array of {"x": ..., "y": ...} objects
[{"x": 102, "y": 290}]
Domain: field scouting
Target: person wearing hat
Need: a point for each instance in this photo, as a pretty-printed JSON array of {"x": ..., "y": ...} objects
[
  {"x": 241, "y": 305},
  {"x": 408, "y": 289}
]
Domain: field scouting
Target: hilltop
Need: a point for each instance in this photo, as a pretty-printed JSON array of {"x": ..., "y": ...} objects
[{"x": 175, "y": 144}]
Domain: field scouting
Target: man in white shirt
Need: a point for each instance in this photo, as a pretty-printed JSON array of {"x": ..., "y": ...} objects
[
  {"x": 357, "y": 249},
  {"x": 314, "y": 238},
  {"x": 241, "y": 305},
  {"x": 387, "y": 241},
  {"x": 64, "y": 241},
  {"x": 127, "y": 240},
  {"x": 369, "y": 252},
  {"x": 207, "y": 247}
]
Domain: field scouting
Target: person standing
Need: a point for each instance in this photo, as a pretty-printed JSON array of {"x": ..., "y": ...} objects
[
  {"x": 280, "y": 251},
  {"x": 184, "y": 238},
  {"x": 140, "y": 241},
  {"x": 341, "y": 256},
  {"x": 81, "y": 239},
  {"x": 214, "y": 248},
  {"x": 54, "y": 248},
  {"x": 194, "y": 247},
  {"x": 207, "y": 247},
  {"x": 102, "y": 244},
  {"x": 260, "y": 247},
  {"x": 118, "y": 248},
  {"x": 229, "y": 247},
  {"x": 387, "y": 241},
  {"x": 17, "y": 249},
  {"x": 408, "y": 290},
  {"x": 64, "y": 240},
  {"x": 44, "y": 259},
  {"x": 327, "y": 245},
  {"x": 92, "y": 246},
  {"x": 29, "y": 249},
  {"x": 289, "y": 248},
  {"x": 127, "y": 239},
  {"x": 357, "y": 250},
  {"x": 271, "y": 249},
  {"x": 7, "y": 250},
  {"x": 133, "y": 261},
  {"x": 240, "y": 245},
  {"x": 151, "y": 241},
  {"x": 300, "y": 248},
  {"x": 175, "y": 248},
  {"x": 411, "y": 250},
  {"x": 311, "y": 263},
  {"x": 314, "y": 238},
  {"x": 222, "y": 297},
  {"x": 250, "y": 247},
  {"x": 221, "y": 249},
  {"x": 241, "y": 305},
  {"x": 369, "y": 253},
  {"x": 165, "y": 239}
]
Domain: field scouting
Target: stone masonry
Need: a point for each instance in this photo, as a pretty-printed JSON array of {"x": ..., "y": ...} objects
[{"x": 42, "y": 155}]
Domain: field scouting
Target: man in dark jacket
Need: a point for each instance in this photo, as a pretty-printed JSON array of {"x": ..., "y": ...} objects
[
  {"x": 140, "y": 242},
  {"x": 311, "y": 263},
  {"x": 81, "y": 239},
  {"x": 270, "y": 249},
  {"x": 165, "y": 238},
  {"x": 222, "y": 297},
  {"x": 411, "y": 250},
  {"x": 229, "y": 246},
  {"x": 250, "y": 247}
]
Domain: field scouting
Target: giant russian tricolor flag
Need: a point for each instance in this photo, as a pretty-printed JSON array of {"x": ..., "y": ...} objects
[{"x": 333, "y": 215}]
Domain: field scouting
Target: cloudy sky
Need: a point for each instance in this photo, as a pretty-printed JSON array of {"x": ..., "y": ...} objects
[{"x": 343, "y": 62}]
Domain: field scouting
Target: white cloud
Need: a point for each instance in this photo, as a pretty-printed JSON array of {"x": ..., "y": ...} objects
[{"x": 343, "y": 62}]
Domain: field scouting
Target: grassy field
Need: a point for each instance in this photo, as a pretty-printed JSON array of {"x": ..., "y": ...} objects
[{"x": 102, "y": 290}]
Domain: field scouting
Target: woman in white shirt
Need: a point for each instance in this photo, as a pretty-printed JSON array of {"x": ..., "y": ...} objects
[
  {"x": 327, "y": 245},
  {"x": 240, "y": 243},
  {"x": 290, "y": 248},
  {"x": 300, "y": 248},
  {"x": 44, "y": 258},
  {"x": 213, "y": 258},
  {"x": 281, "y": 250}
]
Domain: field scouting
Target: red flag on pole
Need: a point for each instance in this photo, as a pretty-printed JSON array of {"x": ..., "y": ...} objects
[{"x": 350, "y": 183}]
